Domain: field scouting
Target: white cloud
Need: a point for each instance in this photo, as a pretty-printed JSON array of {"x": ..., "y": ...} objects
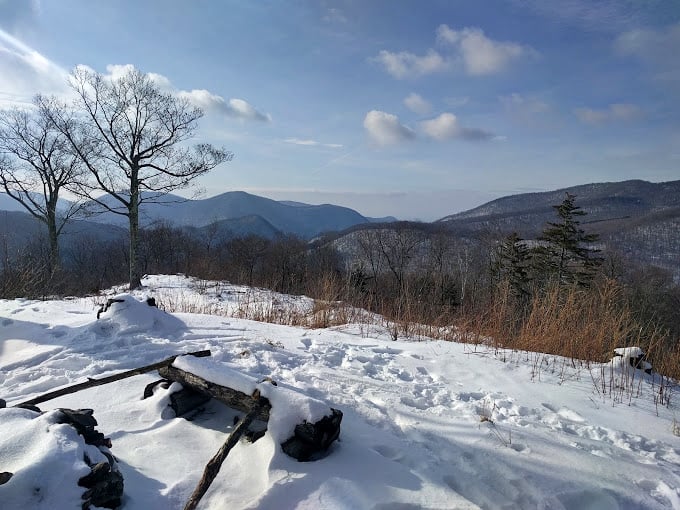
[
  {"x": 480, "y": 54},
  {"x": 312, "y": 143},
  {"x": 408, "y": 65},
  {"x": 457, "y": 102},
  {"x": 201, "y": 98},
  {"x": 24, "y": 72},
  {"x": 117, "y": 71},
  {"x": 237, "y": 108},
  {"x": 334, "y": 15},
  {"x": 613, "y": 113},
  {"x": 657, "y": 47},
  {"x": 446, "y": 127},
  {"x": 385, "y": 128},
  {"x": 524, "y": 104},
  {"x": 417, "y": 104}
]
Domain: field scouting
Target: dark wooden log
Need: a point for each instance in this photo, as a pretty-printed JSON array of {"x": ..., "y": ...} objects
[
  {"x": 187, "y": 399},
  {"x": 214, "y": 465},
  {"x": 151, "y": 387},
  {"x": 106, "y": 380},
  {"x": 232, "y": 398},
  {"x": 309, "y": 440}
]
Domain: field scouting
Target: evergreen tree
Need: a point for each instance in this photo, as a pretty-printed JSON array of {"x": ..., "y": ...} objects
[
  {"x": 512, "y": 263},
  {"x": 565, "y": 256}
]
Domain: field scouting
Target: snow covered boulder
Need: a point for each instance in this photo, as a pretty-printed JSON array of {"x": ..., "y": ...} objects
[
  {"x": 55, "y": 460},
  {"x": 633, "y": 356},
  {"x": 126, "y": 314}
]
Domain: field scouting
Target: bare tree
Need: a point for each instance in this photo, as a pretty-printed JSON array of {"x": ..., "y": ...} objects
[
  {"x": 36, "y": 165},
  {"x": 132, "y": 137}
]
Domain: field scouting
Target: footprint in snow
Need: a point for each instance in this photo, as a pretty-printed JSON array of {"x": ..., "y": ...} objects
[
  {"x": 386, "y": 350},
  {"x": 467, "y": 397},
  {"x": 388, "y": 452}
]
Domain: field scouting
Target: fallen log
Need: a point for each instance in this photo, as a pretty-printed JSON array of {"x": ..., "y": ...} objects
[
  {"x": 309, "y": 440},
  {"x": 90, "y": 383},
  {"x": 232, "y": 398},
  {"x": 213, "y": 466}
]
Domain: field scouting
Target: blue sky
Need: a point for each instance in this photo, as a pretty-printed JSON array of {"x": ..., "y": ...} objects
[{"x": 415, "y": 109}]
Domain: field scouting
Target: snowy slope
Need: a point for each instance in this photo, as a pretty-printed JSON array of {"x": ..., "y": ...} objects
[{"x": 427, "y": 425}]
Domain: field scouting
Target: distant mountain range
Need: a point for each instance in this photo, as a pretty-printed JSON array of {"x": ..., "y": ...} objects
[
  {"x": 602, "y": 201},
  {"x": 638, "y": 219},
  {"x": 231, "y": 214},
  {"x": 241, "y": 213}
]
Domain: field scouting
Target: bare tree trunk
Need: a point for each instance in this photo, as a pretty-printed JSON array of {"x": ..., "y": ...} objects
[
  {"x": 53, "y": 236},
  {"x": 135, "y": 273}
]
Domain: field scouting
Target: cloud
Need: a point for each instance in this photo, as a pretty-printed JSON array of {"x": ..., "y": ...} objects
[
  {"x": 656, "y": 47},
  {"x": 446, "y": 127},
  {"x": 523, "y": 104},
  {"x": 24, "y": 72},
  {"x": 334, "y": 15},
  {"x": 417, "y": 104},
  {"x": 480, "y": 54},
  {"x": 237, "y": 108},
  {"x": 312, "y": 143},
  {"x": 385, "y": 128},
  {"x": 201, "y": 98},
  {"x": 408, "y": 65},
  {"x": 613, "y": 113},
  {"x": 457, "y": 102}
]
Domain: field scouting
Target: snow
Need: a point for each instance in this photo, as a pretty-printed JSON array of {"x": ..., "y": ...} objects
[
  {"x": 427, "y": 424},
  {"x": 46, "y": 459},
  {"x": 629, "y": 352}
]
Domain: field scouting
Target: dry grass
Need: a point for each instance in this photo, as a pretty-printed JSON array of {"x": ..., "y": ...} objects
[{"x": 573, "y": 332}]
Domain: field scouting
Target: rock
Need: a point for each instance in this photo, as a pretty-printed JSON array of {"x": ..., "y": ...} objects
[
  {"x": 104, "y": 483},
  {"x": 312, "y": 439}
]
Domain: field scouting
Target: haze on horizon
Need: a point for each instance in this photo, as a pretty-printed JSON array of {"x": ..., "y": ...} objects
[{"x": 412, "y": 109}]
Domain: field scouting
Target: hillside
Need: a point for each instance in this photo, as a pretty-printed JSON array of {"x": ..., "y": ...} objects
[{"x": 638, "y": 219}]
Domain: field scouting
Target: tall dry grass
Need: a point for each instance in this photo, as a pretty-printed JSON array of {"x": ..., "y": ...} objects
[{"x": 569, "y": 329}]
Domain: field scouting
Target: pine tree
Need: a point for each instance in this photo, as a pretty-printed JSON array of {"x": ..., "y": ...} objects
[
  {"x": 512, "y": 264},
  {"x": 565, "y": 255}
]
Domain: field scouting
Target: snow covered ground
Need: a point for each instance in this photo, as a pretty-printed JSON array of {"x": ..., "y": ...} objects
[{"x": 427, "y": 425}]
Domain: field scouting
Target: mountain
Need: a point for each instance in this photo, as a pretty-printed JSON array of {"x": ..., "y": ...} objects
[
  {"x": 238, "y": 227},
  {"x": 636, "y": 218},
  {"x": 296, "y": 218},
  {"x": 602, "y": 201}
]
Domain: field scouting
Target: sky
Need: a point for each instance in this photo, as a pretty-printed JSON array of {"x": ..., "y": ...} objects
[{"x": 415, "y": 109}]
